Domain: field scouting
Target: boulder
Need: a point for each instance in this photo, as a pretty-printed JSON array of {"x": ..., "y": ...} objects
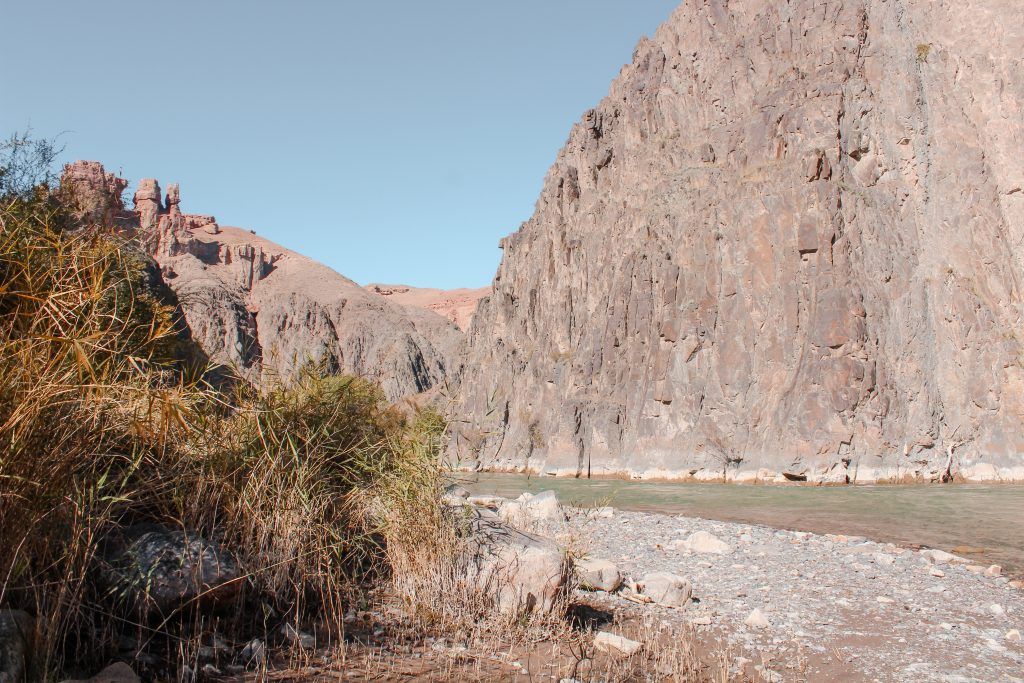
[
  {"x": 598, "y": 575},
  {"x": 666, "y": 589},
  {"x": 528, "y": 509},
  {"x": 543, "y": 505},
  {"x": 159, "y": 570},
  {"x": 253, "y": 654},
  {"x": 454, "y": 495},
  {"x": 16, "y": 629},
  {"x": 616, "y": 645},
  {"x": 521, "y": 572},
  {"x": 704, "y": 542},
  {"x": 119, "y": 672},
  {"x": 936, "y": 556}
]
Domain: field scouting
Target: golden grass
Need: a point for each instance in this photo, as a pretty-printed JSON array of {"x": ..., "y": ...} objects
[{"x": 316, "y": 487}]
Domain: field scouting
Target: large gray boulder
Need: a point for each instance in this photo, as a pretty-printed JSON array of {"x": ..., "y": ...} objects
[
  {"x": 157, "y": 570},
  {"x": 118, "y": 672},
  {"x": 520, "y": 572}
]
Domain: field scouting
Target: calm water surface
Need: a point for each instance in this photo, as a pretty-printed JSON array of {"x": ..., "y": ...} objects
[{"x": 977, "y": 515}]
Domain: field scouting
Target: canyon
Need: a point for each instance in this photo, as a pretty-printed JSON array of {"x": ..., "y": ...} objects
[{"x": 785, "y": 247}]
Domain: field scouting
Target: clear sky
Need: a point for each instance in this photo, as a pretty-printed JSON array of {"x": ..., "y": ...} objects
[{"x": 394, "y": 141}]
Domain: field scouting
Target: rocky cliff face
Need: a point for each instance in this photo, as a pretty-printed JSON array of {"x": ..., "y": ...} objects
[
  {"x": 264, "y": 310},
  {"x": 787, "y": 245}
]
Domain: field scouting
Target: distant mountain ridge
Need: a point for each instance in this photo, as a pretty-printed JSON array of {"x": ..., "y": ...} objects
[{"x": 265, "y": 310}]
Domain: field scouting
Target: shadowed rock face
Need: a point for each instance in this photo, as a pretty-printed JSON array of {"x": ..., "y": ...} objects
[
  {"x": 787, "y": 245},
  {"x": 265, "y": 311}
]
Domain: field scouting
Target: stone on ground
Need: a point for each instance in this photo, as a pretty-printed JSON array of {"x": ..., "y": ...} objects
[
  {"x": 118, "y": 672},
  {"x": 543, "y": 505},
  {"x": 522, "y": 572},
  {"x": 757, "y": 619},
  {"x": 454, "y": 495},
  {"x": 15, "y": 634},
  {"x": 162, "y": 570},
  {"x": 615, "y": 644},
  {"x": 668, "y": 590},
  {"x": 595, "y": 574},
  {"x": 705, "y": 542}
]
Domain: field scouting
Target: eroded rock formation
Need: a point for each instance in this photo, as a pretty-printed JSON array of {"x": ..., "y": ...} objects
[
  {"x": 787, "y": 245},
  {"x": 264, "y": 310}
]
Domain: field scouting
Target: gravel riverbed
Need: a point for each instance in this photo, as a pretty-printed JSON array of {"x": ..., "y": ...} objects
[{"x": 837, "y": 607}]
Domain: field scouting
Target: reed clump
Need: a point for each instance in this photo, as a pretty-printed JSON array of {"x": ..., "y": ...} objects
[{"x": 108, "y": 419}]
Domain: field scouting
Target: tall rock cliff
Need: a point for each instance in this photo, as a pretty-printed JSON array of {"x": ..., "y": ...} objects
[
  {"x": 787, "y": 245},
  {"x": 264, "y": 310}
]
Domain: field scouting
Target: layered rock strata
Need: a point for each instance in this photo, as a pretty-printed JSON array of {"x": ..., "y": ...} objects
[{"x": 786, "y": 246}]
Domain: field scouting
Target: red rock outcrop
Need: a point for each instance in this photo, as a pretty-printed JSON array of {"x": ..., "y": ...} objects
[
  {"x": 457, "y": 305},
  {"x": 94, "y": 194},
  {"x": 787, "y": 245}
]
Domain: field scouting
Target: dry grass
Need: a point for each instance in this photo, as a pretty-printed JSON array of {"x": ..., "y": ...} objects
[{"x": 319, "y": 488}]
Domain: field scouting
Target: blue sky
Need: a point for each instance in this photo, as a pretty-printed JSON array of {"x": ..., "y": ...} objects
[{"x": 394, "y": 141}]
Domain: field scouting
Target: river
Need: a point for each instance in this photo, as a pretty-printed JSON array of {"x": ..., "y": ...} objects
[{"x": 985, "y": 517}]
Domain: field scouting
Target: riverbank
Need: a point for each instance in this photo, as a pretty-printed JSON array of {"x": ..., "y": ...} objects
[
  {"x": 985, "y": 518},
  {"x": 831, "y": 607}
]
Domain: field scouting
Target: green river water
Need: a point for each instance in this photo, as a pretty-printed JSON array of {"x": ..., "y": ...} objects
[{"x": 990, "y": 517}]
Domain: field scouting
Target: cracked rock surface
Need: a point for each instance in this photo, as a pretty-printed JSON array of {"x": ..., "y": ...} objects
[{"x": 786, "y": 246}]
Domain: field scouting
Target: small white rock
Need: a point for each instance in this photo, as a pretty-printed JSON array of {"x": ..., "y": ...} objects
[
  {"x": 704, "y": 542},
  {"x": 616, "y": 645},
  {"x": 595, "y": 574},
  {"x": 666, "y": 589},
  {"x": 884, "y": 560},
  {"x": 1013, "y": 636},
  {"x": 996, "y": 610},
  {"x": 757, "y": 619},
  {"x": 934, "y": 571}
]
